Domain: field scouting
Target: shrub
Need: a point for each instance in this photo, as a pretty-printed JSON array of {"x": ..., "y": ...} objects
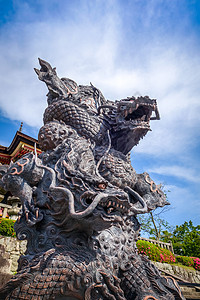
[
  {"x": 154, "y": 252},
  {"x": 196, "y": 261},
  {"x": 185, "y": 260},
  {"x": 7, "y": 227},
  {"x": 189, "y": 261}
]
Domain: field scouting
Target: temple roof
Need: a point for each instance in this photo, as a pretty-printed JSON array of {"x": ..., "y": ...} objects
[{"x": 20, "y": 145}]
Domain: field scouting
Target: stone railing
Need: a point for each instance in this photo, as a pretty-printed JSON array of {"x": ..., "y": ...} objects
[{"x": 161, "y": 244}]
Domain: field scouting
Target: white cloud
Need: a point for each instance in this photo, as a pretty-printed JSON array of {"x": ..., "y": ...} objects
[
  {"x": 79, "y": 50},
  {"x": 89, "y": 46},
  {"x": 177, "y": 171}
]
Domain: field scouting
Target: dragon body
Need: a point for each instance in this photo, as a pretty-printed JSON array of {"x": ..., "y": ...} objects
[{"x": 81, "y": 198}]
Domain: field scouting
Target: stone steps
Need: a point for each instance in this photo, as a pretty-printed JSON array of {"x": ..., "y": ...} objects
[
  {"x": 190, "y": 293},
  {"x": 186, "y": 275},
  {"x": 187, "y": 283}
]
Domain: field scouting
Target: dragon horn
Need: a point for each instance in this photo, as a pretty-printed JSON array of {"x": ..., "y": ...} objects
[
  {"x": 44, "y": 63},
  {"x": 138, "y": 198},
  {"x": 37, "y": 71}
]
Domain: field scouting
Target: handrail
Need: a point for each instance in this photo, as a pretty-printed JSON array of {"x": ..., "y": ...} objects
[{"x": 162, "y": 244}]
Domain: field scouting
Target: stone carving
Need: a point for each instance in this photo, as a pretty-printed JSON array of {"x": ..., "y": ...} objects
[{"x": 81, "y": 198}]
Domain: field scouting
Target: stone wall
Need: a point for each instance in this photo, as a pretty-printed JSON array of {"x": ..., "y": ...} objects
[
  {"x": 187, "y": 274},
  {"x": 12, "y": 249},
  {"x": 5, "y": 264}
]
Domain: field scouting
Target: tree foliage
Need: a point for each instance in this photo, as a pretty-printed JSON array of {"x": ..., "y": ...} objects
[
  {"x": 7, "y": 227},
  {"x": 155, "y": 252},
  {"x": 186, "y": 239},
  {"x": 155, "y": 226}
]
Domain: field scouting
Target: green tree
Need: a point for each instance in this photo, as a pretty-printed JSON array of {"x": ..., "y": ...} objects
[
  {"x": 186, "y": 239},
  {"x": 155, "y": 226}
]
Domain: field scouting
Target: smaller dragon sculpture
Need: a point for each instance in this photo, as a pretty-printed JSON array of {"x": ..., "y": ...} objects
[{"x": 80, "y": 200}]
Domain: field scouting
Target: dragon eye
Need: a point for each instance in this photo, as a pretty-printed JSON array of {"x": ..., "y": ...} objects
[{"x": 102, "y": 186}]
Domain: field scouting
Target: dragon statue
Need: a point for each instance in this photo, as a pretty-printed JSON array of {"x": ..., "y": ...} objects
[{"x": 80, "y": 200}]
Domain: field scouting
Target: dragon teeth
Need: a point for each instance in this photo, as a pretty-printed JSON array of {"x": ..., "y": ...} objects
[{"x": 117, "y": 205}]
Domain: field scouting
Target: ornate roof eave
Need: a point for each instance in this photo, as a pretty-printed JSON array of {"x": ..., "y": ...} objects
[
  {"x": 20, "y": 145},
  {"x": 19, "y": 136}
]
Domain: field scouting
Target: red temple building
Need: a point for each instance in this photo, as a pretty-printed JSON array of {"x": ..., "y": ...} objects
[{"x": 20, "y": 145}]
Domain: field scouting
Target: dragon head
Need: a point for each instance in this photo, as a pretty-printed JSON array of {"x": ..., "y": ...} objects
[
  {"x": 129, "y": 120},
  {"x": 152, "y": 194}
]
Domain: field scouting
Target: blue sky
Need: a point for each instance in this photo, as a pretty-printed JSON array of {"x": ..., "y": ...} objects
[{"x": 124, "y": 48}]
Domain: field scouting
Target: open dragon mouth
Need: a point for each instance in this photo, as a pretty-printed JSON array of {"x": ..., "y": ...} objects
[
  {"x": 129, "y": 120},
  {"x": 114, "y": 205},
  {"x": 110, "y": 205},
  {"x": 139, "y": 111}
]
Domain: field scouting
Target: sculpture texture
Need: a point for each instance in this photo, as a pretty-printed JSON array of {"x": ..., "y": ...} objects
[{"x": 80, "y": 200}]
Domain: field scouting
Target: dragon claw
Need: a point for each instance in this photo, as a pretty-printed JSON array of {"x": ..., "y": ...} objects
[
  {"x": 19, "y": 217},
  {"x": 37, "y": 213},
  {"x": 26, "y": 215}
]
